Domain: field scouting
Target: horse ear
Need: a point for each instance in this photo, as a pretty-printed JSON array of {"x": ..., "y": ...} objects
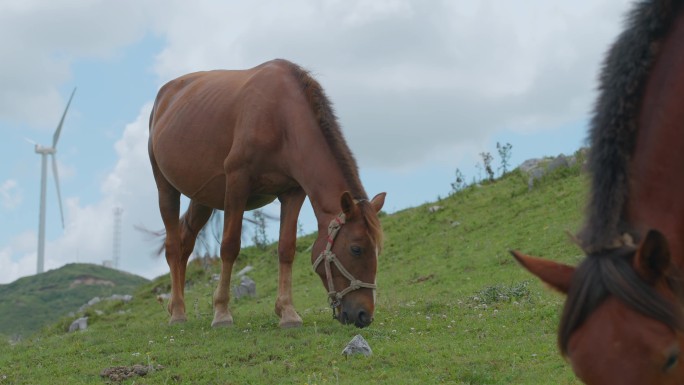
[
  {"x": 348, "y": 205},
  {"x": 653, "y": 256},
  {"x": 378, "y": 201},
  {"x": 554, "y": 274}
]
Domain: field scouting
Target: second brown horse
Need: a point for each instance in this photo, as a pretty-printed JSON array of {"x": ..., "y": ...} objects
[{"x": 238, "y": 140}]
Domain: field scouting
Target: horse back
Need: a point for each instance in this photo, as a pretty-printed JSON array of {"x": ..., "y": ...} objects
[{"x": 202, "y": 119}]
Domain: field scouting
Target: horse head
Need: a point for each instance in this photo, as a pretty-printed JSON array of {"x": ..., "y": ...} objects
[
  {"x": 346, "y": 259},
  {"x": 622, "y": 321}
]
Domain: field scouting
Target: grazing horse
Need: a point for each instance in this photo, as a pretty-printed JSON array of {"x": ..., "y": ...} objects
[
  {"x": 238, "y": 140},
  {"x": 622, "y": 321}
]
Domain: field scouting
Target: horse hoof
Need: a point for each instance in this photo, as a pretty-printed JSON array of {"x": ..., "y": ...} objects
[
  {"x": 222, "y": 320},
  {"x": 177, "y": 320},
  {"x": 290, "y": 324},
  {"x": 222, "y": 324}
]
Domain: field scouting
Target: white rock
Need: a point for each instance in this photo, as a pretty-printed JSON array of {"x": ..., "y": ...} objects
[
  {"x": 79, "y": 324},
  {"x": 357, "y": 345}
]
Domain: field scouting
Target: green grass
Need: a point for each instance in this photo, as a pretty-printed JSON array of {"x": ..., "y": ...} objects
[{"x": 453, "y": 307}]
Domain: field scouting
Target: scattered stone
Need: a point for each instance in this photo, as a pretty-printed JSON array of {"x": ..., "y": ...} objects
[
  {"x": 94, "y": 301},
  {"x": 434, "y": 209},
  {"x": 535, "y": 174},
  {"x": 530, "y": 165},
  {"x": 245, "y": 270},
  {"x": 115, "y": 297},
  {"x": 118, "y": 297},
  {"x": 558, "y": 162},
  {"x": 246, "y": 288},
  {"x": 79, "y": 324},
  {"x": 215, "y": 277},
  {"x": 357, "y": 345},
  {"x": 455, "y": 224},
  {"x": 537, "y": 168}
]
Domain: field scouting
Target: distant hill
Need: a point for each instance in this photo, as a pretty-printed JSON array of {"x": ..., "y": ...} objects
[{"x": 30, "y": 303}]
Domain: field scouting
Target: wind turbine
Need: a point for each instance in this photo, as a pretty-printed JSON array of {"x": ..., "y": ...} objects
[{"x": 44, "y": 151}]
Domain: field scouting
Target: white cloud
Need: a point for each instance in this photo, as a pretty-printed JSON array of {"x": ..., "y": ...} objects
[
  {"x": 10, "y": 194},
  {"x": 40, "y": 39},
  {"x": 23, "y": 244},
  {"x": 410, "y": 77}
]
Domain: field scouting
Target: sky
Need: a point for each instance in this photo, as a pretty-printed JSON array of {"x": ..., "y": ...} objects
[{"x": 420, "y": 89}]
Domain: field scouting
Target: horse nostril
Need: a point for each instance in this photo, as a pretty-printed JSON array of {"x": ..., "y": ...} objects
[{"x": 364, "y": 318}]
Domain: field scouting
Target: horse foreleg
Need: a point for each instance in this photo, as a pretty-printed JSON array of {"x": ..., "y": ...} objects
[
  {"x": 235, "y": 202},
  {"x": 291, "y": 203}
]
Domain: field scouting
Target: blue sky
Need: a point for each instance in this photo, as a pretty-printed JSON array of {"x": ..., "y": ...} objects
[{"x": 419, "y": 91}]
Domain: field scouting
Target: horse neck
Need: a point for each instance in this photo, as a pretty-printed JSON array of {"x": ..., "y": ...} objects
[
  {"x": 657, "y": 164},
  {"x": 320, "y": 175}
]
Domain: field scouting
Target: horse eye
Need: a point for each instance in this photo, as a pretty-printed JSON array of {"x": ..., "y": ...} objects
[
  {"x": 356, "y": 250},
  {"x": 672, "y": 361}
]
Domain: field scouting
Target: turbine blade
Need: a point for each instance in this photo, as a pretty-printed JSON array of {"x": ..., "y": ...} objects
[
  {"x": 59, "y": 194},
  {"x": 55, "y": 137},
  {"x": 30, "y": 141}
]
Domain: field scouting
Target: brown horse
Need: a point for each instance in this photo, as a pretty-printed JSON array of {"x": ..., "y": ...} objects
[
  {"x": 236, "y": 141},
  {"x": 623, "y": 322}
]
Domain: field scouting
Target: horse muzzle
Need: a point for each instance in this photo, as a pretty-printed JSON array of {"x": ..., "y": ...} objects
[{"x": 357, "y": 315}]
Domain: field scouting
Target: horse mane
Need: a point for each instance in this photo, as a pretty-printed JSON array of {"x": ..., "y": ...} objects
[
  {"x": 327, "y": 121},
  {"x": 601, "y": 275},
  {"x": 323, "y": 110},
  {"x": 613, "y": 127}
]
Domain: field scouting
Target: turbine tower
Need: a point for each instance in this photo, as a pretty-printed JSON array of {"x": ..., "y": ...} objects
[
  {"x": 116, "y": 252},
  {"x": 44, "y": 151}
]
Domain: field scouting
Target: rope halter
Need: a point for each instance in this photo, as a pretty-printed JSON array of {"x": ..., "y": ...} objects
[{"x": 328, "y": 257}]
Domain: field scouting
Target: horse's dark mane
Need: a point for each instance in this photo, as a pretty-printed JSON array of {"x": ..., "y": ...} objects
[
  {"x": 599, "y": 276},
  {"x": 613, "y": 128},
  {"x": 327, "y": 121}
]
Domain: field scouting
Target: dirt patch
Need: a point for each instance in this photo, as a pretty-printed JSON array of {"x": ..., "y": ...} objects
[{"x": 120, "y": 373}]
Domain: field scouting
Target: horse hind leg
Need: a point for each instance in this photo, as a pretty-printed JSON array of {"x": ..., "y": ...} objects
[
  {"x": 180, "y": 242},
  {"x": 291, "y": 203},
  {"x": 191, "y": 223},
  {"x": 169, "y": 208}
]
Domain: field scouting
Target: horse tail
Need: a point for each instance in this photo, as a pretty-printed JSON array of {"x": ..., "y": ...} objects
[{"x": 154, "y": 236}]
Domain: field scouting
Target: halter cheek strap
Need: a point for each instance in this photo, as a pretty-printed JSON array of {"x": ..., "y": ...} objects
[{"x": 327, "y": 257}]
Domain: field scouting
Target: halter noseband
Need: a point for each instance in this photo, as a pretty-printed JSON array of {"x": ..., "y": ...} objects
[{"x": 327, "y": 256}]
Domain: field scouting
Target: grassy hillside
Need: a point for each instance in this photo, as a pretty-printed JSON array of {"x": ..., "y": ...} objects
[
  {"x": 30, "y": 303},
  {"x": 453, "y": 307}
]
